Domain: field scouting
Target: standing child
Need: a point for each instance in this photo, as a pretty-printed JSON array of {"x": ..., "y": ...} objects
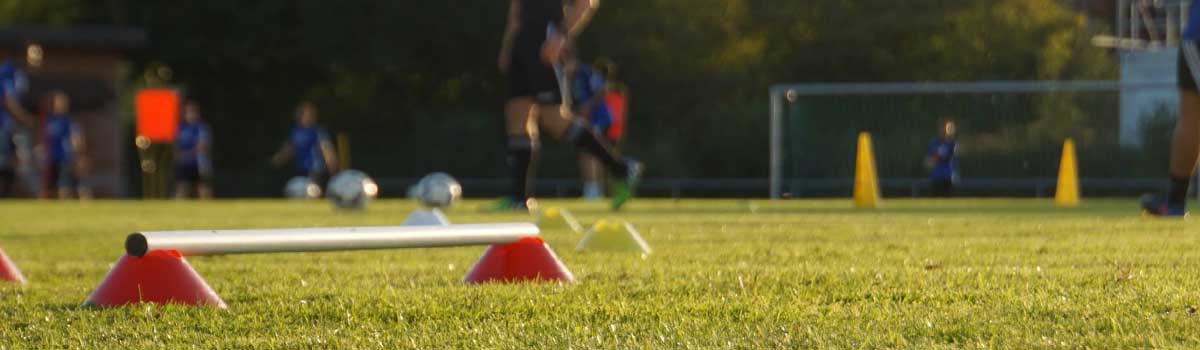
[
  {"x": 309, "y": 144},
  {"x": 193, "y": 167},
  {"x": 66, "y": 159},
  {"x": 942, "y": 162}
]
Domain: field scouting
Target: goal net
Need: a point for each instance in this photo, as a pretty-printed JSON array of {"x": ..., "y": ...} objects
[{"x": 1010, "y": 135}]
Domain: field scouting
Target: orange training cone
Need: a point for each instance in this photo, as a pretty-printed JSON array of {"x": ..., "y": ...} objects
[
  {"x": 528, "y": 259},
  {"x": 160, "y": 277},
  {"x": 9, "y": 271},
  {"x": 1066, "y": 192},
  {"x": 866, "y": 181}
]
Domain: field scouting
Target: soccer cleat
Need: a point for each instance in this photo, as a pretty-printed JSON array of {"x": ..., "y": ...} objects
[
  {"x": 1160, "y": 207},
  {"x": 508, "y": 204},
  {"x": 623, "y": 190}
]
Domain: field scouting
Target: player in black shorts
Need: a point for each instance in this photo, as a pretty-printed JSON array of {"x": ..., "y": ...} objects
[
  {"x": 1185, "y": 146},
  {"x": 538, "y": 31}
]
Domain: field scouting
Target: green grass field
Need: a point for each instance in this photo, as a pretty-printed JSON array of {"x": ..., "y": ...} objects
[{"x": 958, "y": 274}]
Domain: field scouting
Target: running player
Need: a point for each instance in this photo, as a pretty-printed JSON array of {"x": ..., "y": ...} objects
[
  {"x": 13, "y": 118},
  {"x": 193, "y": 167},
  {"x": 1185, "y": 148},
  {"x": 311, "y": 147},
  {"x": 66, "y": 161},
  {"x": 533, "y": 44}
]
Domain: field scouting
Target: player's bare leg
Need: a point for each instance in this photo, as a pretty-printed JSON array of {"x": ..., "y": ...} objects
[{"x": 522, "y": 129}]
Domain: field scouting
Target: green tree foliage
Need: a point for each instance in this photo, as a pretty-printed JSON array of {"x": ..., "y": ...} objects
[{"x": 415, "y": 84}]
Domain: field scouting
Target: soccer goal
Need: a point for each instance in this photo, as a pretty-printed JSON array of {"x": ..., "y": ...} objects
[{"x": 1010, "y": 134}]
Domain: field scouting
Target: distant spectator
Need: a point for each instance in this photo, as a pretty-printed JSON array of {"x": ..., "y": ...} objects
[
  {"x": 942, "y": 162},
  {"x": 66, "y": 157},
  {"x": 193, "y": 167},
  {"x": 13, "y": 119},
  {"x": 309, "y": 144}
]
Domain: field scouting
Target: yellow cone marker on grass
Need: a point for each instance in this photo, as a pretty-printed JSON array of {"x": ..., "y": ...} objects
[
  {"x": 613, "y": 236},
  {"x": 558, "y": 218},
  {"x": 866, "y": 181},
  {"x": 1066, "y": 193}
]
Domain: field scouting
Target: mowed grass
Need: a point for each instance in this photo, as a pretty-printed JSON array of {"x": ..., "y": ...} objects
[{"x": 956, "y": 274}]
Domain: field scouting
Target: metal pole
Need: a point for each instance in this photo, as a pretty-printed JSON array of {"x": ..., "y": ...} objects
[
  {"x": 219, "y": 242},
  {"x": 776, "y": 176},
  {"x": 1121, "y": 19}
]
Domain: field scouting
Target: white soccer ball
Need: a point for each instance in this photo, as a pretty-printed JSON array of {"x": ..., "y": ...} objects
[
  {"x": 301, "y": 187},
  {"x": 438, "y": 190},
  {"x": 352, "y": 189}
]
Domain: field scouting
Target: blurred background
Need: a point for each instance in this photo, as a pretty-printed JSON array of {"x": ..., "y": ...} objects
[{"x": 413, "y": 87}]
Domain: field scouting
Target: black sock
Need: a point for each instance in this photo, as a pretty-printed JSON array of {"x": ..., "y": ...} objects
[
  {"x": 1177, "y": 192},
  {"x": 586, "y": 139},
  {"x": 522, "y": 154}
]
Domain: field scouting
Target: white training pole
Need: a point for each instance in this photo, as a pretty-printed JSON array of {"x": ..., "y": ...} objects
[{"x": 219, "y": 242}]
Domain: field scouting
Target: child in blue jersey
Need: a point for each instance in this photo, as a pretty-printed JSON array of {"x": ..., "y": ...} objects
[
  {"x": 1185, "y": 148},
  {"x": 193, "y": 167},
  {"x": 588, "y": 90},
  {"x": 942, "y": 162},
  {"x": 13, "y": 118},
  {"x": 66, "y": 161},
  {"x": 309, "y": 144}
]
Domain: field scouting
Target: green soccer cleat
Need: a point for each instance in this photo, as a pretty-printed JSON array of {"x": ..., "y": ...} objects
[{"x": 623, "y": 191}]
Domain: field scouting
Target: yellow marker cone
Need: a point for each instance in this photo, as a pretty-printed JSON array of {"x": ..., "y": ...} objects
[
  {"x": 558, "y": 218},
  {"x": 866, "y": 182},
  {"x": 1066, "y": 193},
  {"x": 613, "y": 236}
]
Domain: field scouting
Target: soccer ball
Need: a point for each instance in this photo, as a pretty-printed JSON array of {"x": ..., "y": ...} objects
[
  {"x": 301, "y": 187},
  {"x": 438, "y": 190},
  {"x": 352, "y": 189}
]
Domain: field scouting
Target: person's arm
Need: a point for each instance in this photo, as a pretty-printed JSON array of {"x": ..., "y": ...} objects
[
  {"x": 17, "y": 111},
  {"x": 575, "y": 20},
  {"x": 79, "y": 146},
  {"x": 283, "y": 154},
  {"x": 202, "y": 145},
  {"x": 327, "y": 151},
  {"x": 578, "y": 16},
  {"x": 510, "y": 35}
]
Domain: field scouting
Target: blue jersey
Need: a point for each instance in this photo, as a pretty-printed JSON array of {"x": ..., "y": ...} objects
[
  {"x": 586, "y": 86},
  {"x": 188, "y": 141},
  {"x": 1192, "y": 30},
  {"x": 12, "y": 83},
  {"x": 59, "y": 130},
  {"x": 306, "y": 144},
  {"x": 945, "y": 165}
]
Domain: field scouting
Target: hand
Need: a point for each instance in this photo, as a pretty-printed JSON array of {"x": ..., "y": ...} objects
[{"x": 552, "y": 49}]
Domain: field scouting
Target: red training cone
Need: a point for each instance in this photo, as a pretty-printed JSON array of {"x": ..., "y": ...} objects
[
  {"x": 9, "y": 271},
  {"x": 528, "y": 259},
  {"x": 160, "y": 277}
]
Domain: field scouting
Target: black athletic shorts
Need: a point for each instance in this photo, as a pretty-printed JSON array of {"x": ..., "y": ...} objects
[
  {"x": 528, "y": 76},
  {"x": 60, "y": 175},
  {"x": 1187, "y": 82},
  {"x": 190, "y": 173}
]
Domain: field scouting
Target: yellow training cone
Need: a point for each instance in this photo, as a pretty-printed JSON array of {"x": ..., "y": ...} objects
[
  {"x": 613, "y": 236},
  {"x": 866, "y": 182},
  {"x": 558, "y": 218},
  {"x": 1067, "y": 192}
]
